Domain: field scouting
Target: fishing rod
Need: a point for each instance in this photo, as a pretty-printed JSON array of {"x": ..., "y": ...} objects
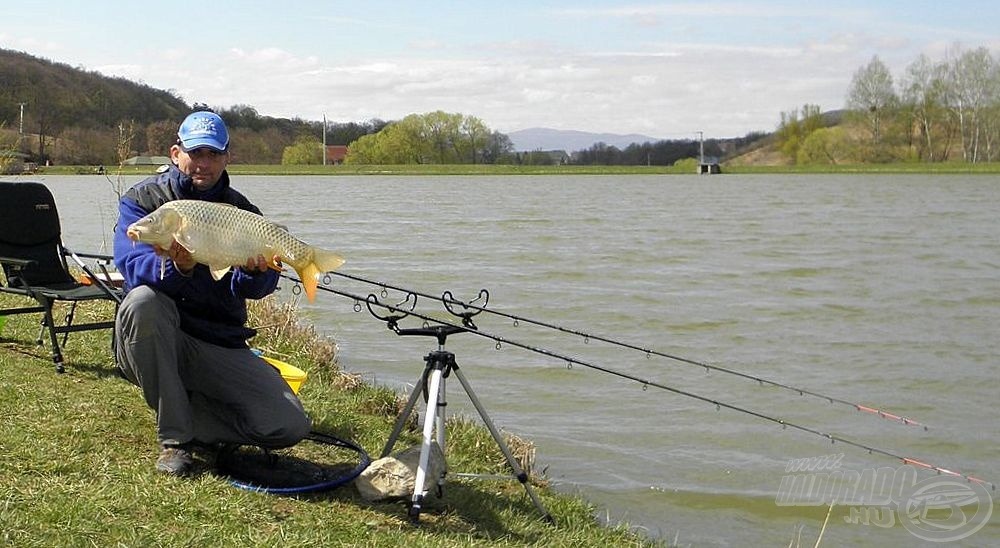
[
  {"x": 398, "y": 312},
  {"x": 448, "y": 299}
]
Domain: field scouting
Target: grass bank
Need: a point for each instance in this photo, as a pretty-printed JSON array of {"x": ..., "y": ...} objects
[
  {"x": 474, "y": 170},
  {"x": 78, "y": 452}
]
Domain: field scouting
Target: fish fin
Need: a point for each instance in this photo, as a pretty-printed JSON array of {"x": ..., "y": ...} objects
[
  {"x": 163, "y": 267},
  {"x": 326, "y": 261},
  {"x": 218, "y": 271},
  {"x": 185, "y": 240},
  {"x": 323, "y": 261},
  {"x": 308, "y": 275}
]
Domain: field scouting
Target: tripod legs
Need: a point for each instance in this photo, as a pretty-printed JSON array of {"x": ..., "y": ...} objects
[
  {"x": 405, "y": 414},
  {"x": 519, "y": 473},
  {"x": 433, "y": 380},
  {"x": 438, "y": 365},
  {"x": 435, "y": 415}
]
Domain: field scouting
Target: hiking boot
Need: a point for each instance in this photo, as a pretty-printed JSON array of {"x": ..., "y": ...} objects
[{"x": 174, "y": 460}]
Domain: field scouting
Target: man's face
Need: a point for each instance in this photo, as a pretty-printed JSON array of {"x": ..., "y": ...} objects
[{"x": 203, "y": 165}]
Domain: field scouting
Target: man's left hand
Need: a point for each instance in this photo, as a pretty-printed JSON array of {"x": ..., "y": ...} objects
[{"x": 260, "y": 264}]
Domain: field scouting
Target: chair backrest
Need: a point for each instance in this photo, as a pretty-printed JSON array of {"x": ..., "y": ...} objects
[{"x": 29, "y": 230}]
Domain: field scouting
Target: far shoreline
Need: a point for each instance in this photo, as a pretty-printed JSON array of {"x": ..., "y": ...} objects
[{"x": 992, "y": 168}]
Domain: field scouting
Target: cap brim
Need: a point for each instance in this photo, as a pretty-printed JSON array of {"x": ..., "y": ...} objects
[{"x": 194, "y": 144}]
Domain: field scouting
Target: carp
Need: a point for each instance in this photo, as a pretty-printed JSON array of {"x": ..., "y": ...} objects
[{"x": 223, "y": 236}]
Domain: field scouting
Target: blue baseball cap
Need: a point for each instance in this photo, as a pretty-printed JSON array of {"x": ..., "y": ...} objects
[{"x": 203, "y": 129}]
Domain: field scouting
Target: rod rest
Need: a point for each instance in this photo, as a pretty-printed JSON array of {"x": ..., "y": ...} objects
[{"x": 441, "y": 332}]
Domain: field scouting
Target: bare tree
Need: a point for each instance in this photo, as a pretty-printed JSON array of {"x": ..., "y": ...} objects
[
  {"x": 969, "y": 95},
  {"x": 871, "y": 93},
  {"x": 991, "y": 117},
  {"x": 924, "y": 94},
  {"x": 160, "y": 136},
  {"x": 123, "y": 150}
]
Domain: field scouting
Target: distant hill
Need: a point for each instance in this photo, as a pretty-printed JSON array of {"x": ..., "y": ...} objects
[
  {"x": 74, "y": 116},
  {"x": 569, "y": 140},
  {"x": 58, "y": 96}
]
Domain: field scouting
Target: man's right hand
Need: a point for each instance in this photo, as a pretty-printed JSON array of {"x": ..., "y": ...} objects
[{"x": 181, "y": 257}]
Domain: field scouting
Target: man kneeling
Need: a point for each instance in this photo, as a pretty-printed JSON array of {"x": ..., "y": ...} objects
[{"x": 180, "y": 335}]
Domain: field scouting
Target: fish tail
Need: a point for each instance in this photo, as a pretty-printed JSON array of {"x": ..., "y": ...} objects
[
  {"x": 308, "y": 275},
  {"x": 323, "y": 261}
]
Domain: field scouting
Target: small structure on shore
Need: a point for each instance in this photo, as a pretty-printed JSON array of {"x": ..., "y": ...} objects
[{"x": 709, "y": 165}]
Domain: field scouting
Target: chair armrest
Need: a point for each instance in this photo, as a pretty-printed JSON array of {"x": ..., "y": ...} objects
[
  {"x": 110, "y": 283},
  {"x": 13, "y": 270},
  {"x": 98, "y": 256},
  {"x": 19, "y": 263}
]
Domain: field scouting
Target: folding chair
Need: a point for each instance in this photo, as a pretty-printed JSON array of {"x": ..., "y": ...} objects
[{"x": 35, "y": 265}]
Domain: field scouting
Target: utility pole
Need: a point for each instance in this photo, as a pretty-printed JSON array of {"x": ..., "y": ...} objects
[
  {"x": 20, "y": 130},
  {"x": 324, "y": 139},
  {"x": 701, "y": 147}
]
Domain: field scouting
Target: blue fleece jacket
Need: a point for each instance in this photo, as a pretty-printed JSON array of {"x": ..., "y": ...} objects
[{"x": 213, "y": 311}]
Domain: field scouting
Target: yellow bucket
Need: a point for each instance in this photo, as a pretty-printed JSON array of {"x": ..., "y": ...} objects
[{"x": 292, "y": 375}]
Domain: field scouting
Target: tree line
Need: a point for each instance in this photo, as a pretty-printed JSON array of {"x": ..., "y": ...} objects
[
  {"x": 936, "y": 111},
  {"x": 55, "y": 113}
]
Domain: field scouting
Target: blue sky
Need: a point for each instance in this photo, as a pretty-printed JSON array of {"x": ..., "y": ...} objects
[{"x": 663, "y": 69}]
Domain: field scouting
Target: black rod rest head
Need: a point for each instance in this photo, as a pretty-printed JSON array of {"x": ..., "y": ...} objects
[
  {"x": 447, "y": 299},
  {"x": 439, "y": 331}
]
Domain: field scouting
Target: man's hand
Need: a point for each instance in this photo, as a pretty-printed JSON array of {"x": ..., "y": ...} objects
[
  {"x": 260, "y": 264},
  {"x": 182, "y": 259}
]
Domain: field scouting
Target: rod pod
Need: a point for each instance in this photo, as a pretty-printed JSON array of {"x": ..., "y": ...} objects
[{"x": 438, "y": 366}]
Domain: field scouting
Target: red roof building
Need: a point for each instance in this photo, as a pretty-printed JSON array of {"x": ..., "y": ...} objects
[{"x": 335, "y": 154}]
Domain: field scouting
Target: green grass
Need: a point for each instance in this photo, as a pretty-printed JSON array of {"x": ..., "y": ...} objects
[
  {"x": 488, "y": 169},
  {"x": 78, "y": 452}
]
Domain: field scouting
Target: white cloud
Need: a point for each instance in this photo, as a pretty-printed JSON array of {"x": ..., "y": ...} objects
[
  {"x": 708, "y": 11},
  {"x": 677, "y": 88},
  {"x": 725, "y": 68},
  {"x": 643, "y": 80},
  {"x": 32, "y": 45}
]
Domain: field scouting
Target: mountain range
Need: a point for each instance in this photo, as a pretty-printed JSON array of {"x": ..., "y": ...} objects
[{"x": 539, "y": 138}]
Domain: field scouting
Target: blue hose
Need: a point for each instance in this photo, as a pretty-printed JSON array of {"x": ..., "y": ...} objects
[{"x": 326, "y": 439}]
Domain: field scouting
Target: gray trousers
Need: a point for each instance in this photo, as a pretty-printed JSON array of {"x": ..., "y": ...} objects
[{"x": 200, "y": 391}]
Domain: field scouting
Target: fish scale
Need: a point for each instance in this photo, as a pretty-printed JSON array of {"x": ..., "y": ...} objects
[{"x": 224, "y": 236}]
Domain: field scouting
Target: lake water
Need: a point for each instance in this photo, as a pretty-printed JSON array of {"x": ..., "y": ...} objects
[{"x": 879, "y": 290}]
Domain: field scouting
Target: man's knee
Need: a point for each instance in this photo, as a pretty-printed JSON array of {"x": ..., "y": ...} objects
[
  {"x": 145, "y": 312},
  {"x": 298, "y": 428},
  {"x": 289, "y": 428}
]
